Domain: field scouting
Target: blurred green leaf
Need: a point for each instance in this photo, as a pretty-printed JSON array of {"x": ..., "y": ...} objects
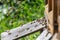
[{"x": 14, "y": 13}]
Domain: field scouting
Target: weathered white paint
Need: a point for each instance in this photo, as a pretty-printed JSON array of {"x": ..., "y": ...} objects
[
  {"x": 48, "y": 36},
  {"x": 42, "y": 35},
  {"x": 22, "y": 30}
]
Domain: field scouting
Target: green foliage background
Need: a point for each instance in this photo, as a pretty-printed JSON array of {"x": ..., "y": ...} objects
[{"x": 14, "y": 13}]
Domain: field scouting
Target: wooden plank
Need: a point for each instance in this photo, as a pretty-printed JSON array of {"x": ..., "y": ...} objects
[
  {"x": 42, "y": 35},
  {"x": 58, "y": 15},
  {"x": 50, "y": 21},
  {"x": 50, "y": 5},
  {"x": 58, "y": 36},
  {"x": 49, "y": 18},
  {"x": 55, "y": 15},
  {"x": 58, "y": 27},
  {"x": 48, "y": 36},
  {"x": 54, "y": 37},
  {"x": 58, "y": 18},
  {"x": 22, "y": 30}
]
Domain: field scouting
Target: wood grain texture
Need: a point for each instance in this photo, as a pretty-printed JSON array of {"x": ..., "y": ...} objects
[
  {"x": 49, "y": 18},
  {"x": 22, "y": 30},
  {"x": 44, "y": 35}
]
